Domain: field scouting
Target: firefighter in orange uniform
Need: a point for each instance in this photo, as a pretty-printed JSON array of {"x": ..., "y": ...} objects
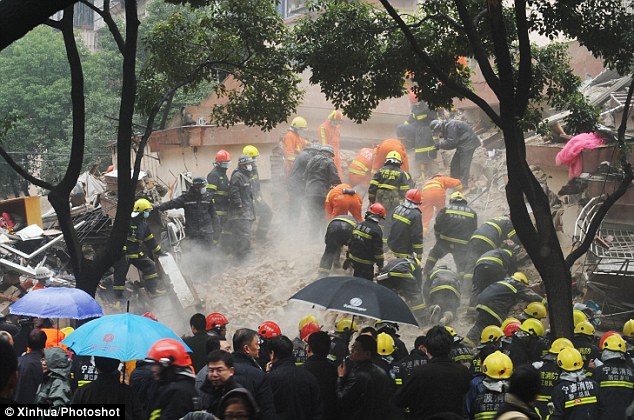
[
  {"x": 293, "y": 142},
  {"x": 342, "y": 200},
  {"x": 359, "y": 170},
  {"x": 381, "y": 151},
  {"x": 434, "y": 196},
  {"x": 329, "y": 133}
]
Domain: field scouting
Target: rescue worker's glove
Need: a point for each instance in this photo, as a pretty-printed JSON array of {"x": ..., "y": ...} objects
[
  {"x": 349, "y": 191},
  {"x": 346, "y": 263},
  {"x": 161, "y": 253}
]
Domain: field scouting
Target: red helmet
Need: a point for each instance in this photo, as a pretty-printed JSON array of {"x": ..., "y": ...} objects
[
  {"x": 169, "y": 352},
  {"x": 216, "y": 320},
  {"x": 269, "y": 329},
  {"x": 414, "y": 195},
  {"x": 604, "y": 337},
  {"x": 151, "y": 316},
  {"x": 223, "y": 156},
  {"x": 377, "y": 209},
  {"x": 511, "y": 328},
  {"x": 308, "y": 329}
]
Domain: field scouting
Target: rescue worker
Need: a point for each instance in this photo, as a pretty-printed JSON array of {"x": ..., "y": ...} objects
[
  {"x": 489, "y": 236},
  {"x": 266, "y": 331},
  {"x": 338, "y": 234},
  {"x": 330, "y": 133},
  {"x": 549, "y": 374},
  {"x": 460, "y": 352},
  {"x": 344, "y": 329},
  {"x": 489, "y": 344},
  {"x": 406, "y": 232},
  {"x": 218, "y": 187},
  {"x": 385, "y": 148},
  {"x": 321, "y": 176},
  {"x": 527, "y": 344},
  {"x": 241, "y": 208},
  {"x": 385, "y": 358},
  {"x": 139, "y": 236},
  {"x": 172, "y": 369},
  {"x": 628, "y": 336},
  {"x": 574, "y": 396},
  {"x": 457, "y": 135},
  {"x": 484, "y": 400},
  {"x": 201, "y": 219},
  {"x": 360, "y": 169},
  {"x": 615, "y": 378},
  {"x": 442, "y": 294},
  {"x": 293, "y": 142},
  {"x": 495, "y": 301},
  {"x": 388, "y": 187},
  {"x": 405, "y": 277},
  {"x": 297, "y": 181},
  {"x": 366, "y": 245},
  {"x": 216, "y": 325},
  {"x": 391, "y": 328},
  {"x": 42, "y": 276},
  {"x": 453, "y": 228},
  {"x": 262, "y": 209},
  {"x": 342, "y": 200},
  {"x": 585, "y": 341},
  {"x": 300, "y": 353},
  {"x": 416, "y": 130},
  {"x": 434, "y": 196},
  {"x": 491, "y": 267}
]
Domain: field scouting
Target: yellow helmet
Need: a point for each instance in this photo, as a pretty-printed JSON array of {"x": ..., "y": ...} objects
[
  {"x": 579, "y": 316},
  {"x": 536, "y": 310},
  {"x": 533, "y": 326},
  {"x": 335, "y": 115},
  {"x": 569, "y": 359},
  {"x": 450, "y": 330},
  {"x": 308, "y": 318},
  {"x": 457, "y": 195},
  {"x": 559, "y": 344},
  {"x": 521, "y": 277},
  {"x": 67, "y": 331},
  {"x": 497, "y": 366},
  {"x": 384, "y": 344},
  {"x": 251, "y": 151},
  {"x": 585, "y": 327},
  {"x": 299, "y": 122},
  {"x": 628, "y": 328},
  {"x": 140, "y": 206},
  {"x": 394, "y": 155},
  {"x": 508, "y": 321},
  {"x": 614, "y": 342},
  {"x": 346, "y": 324},
  {"x": 490, "y": 334}
]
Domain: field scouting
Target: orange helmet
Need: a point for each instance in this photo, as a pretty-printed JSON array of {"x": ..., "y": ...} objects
[
  {"x": 169, "y": 352},
  {"x": 269, "y": 329},
  {"x": 308, "y": 329},
  {"x": 151, "y": 316},
  {"x": 511, "y": 327},
  {"x": 377, "y": 209},
  {"x": 216, "y": 320},
  {"x": 414, "y": 195},
  {"x": 223, "y": 156}
]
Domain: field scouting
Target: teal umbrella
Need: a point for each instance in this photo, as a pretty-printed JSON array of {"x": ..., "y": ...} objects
[{"x": 123, "y": 337}]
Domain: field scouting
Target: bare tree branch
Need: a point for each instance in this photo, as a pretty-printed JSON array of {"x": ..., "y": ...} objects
[
  {"x": 460, "y": 90},
  {"x": 107, "y": 18},
  {"x": 23, "y": 172},
  {"x": 478, "y": 49},
  {"x": 525, "y": 71}
]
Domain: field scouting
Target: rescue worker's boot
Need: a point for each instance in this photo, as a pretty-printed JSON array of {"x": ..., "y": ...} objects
[
  {"x": 434, "y": 314},
  {"x": 446, "y": 319}
]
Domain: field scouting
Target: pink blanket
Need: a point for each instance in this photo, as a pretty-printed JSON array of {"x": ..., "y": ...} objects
[{"x": 571, "y": 153}]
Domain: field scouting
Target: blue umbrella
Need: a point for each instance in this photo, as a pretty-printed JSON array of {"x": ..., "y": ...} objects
[
  {"x": 124, "y": 337},
  {"x": 57, "y": 302}
]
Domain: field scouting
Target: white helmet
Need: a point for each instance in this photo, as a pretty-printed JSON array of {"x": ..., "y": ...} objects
[{"x": 42, "y": 273}]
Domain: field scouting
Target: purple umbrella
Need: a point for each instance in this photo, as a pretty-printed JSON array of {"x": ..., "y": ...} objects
[{"x": 57, "y": 302}]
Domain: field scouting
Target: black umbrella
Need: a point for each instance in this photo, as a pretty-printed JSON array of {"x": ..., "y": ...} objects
[{"x": 356, "y": 296}]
